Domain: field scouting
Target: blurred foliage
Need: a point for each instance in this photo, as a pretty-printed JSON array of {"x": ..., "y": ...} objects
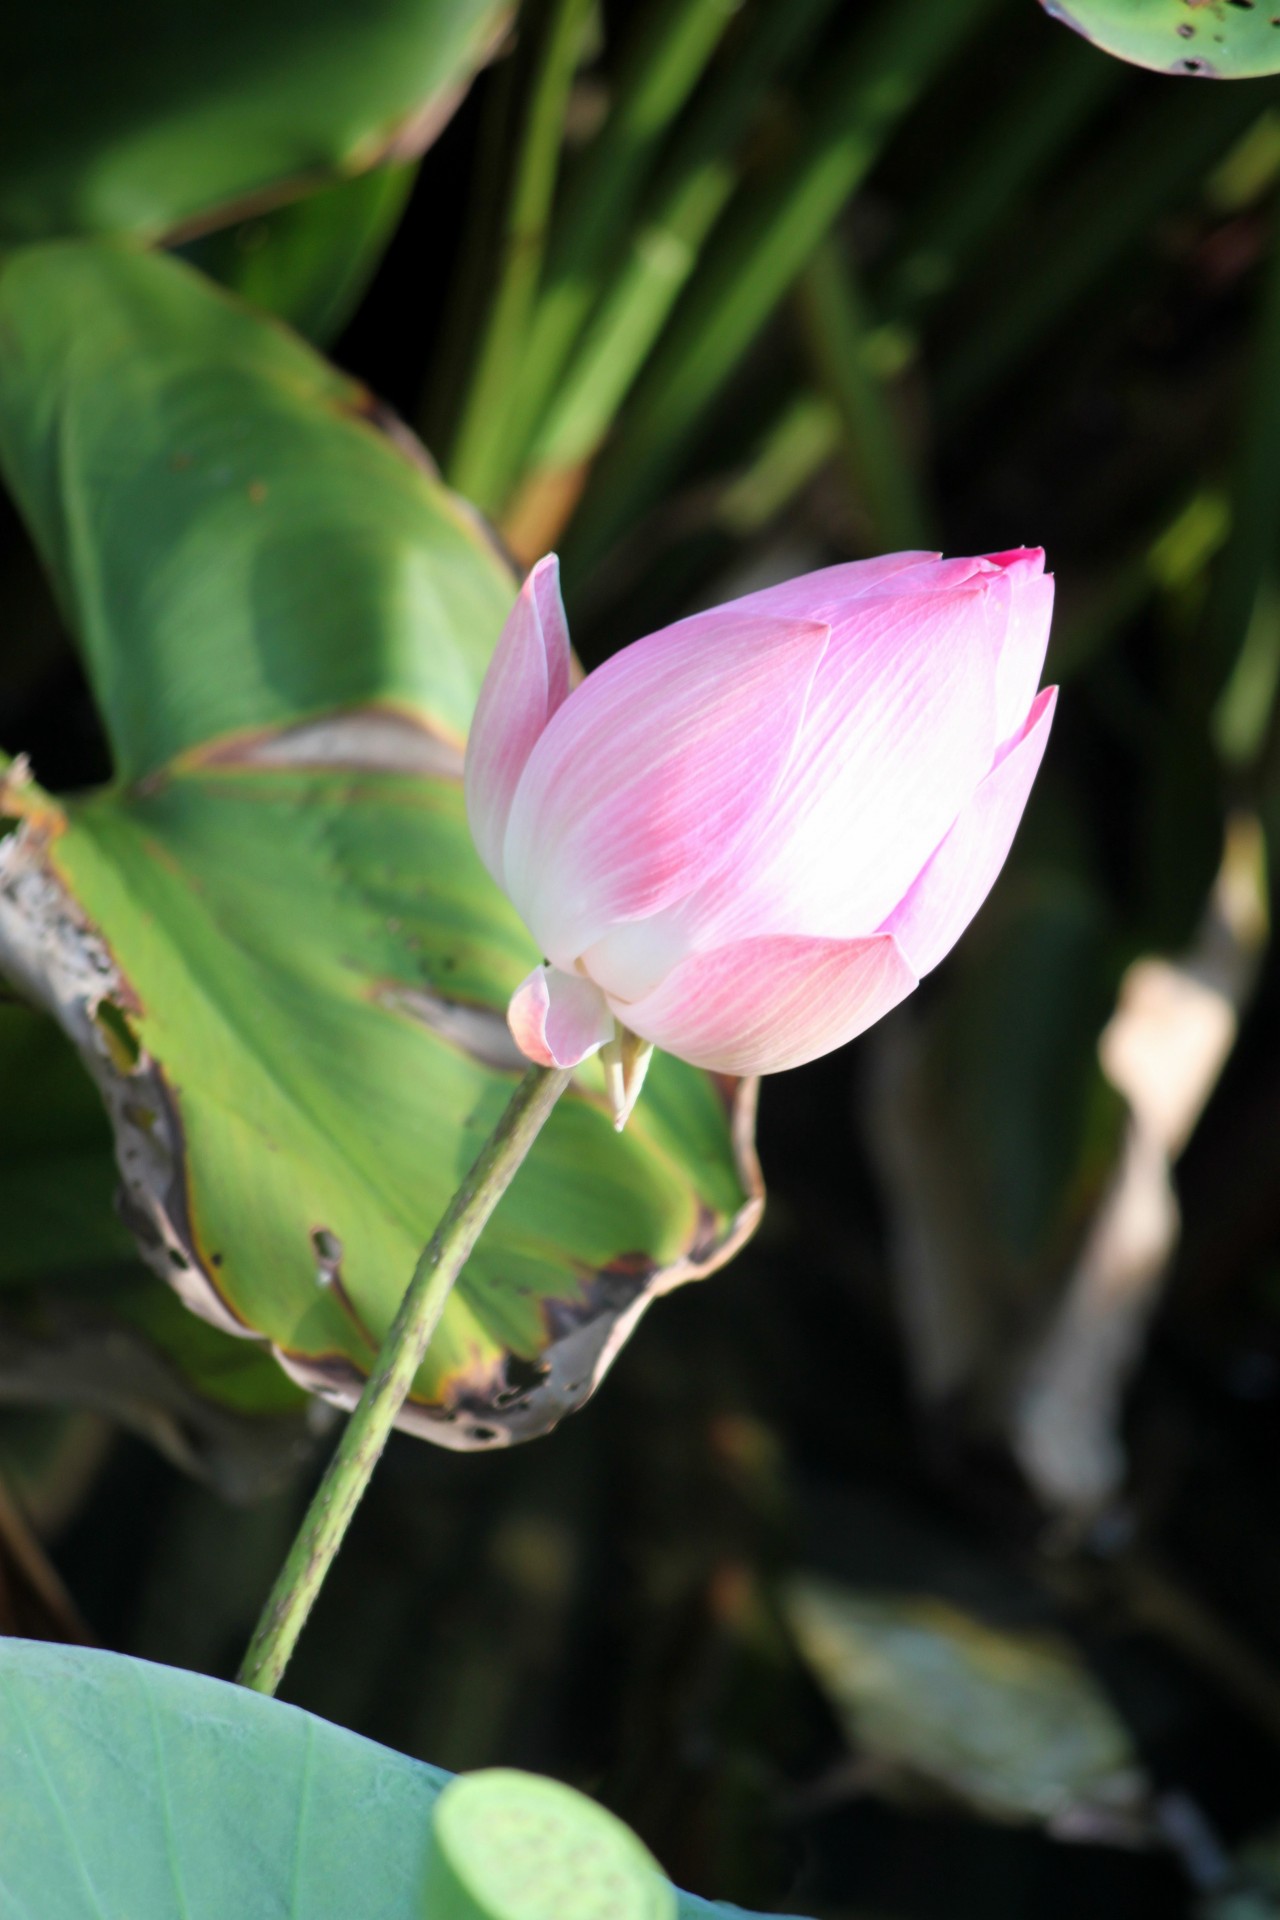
[
  {"x": 1009, "y": 1723},
  {"x": 708, "y": 294}
]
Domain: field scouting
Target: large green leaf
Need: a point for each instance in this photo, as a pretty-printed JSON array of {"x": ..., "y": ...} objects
[
  {"x": 82, "y": 1323},
  {"x": 1216, "y": 39},
  {"x": 271, "y": 938},
  {"x": 128, "y": 1789},
  {"x": 141, "y": 118},
  {"x": 310, "y": 262}
]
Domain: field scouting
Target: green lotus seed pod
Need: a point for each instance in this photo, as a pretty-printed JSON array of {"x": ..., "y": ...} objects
[
  {"x": 1216, "y": 39},
  {"x": 515, "y": 1846}
]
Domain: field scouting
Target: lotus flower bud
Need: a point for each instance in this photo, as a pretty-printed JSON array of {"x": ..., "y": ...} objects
[{"x": 746, "y": 837}]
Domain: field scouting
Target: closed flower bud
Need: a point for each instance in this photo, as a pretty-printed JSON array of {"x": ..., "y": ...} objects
[{"x": 746, "y": 837}]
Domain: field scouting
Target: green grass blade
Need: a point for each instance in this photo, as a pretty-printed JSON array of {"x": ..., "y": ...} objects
[
  {"x": 835, "y": 329},
  {"x": 477, "y": 453},
  {"x": 882, "y": 73},
  {"x": 664, "y": 250},
  {"x": 670, "y": 50},
  {"x": 797, "y": 444}
]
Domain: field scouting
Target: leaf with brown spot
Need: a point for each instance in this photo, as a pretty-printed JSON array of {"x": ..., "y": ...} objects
[
  {"x": 271, "y": 938},
  {"x": 1204, "y": 39}
]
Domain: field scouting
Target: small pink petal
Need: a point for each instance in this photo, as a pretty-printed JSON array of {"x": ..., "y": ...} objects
[
  {"x": 527, "y": 680},
  {"x": 762, "y": 1005},
  {"x": 651, "y": 771},
  {"x": 899, "y": 730},
  {"x": 962, "y": 872},
  {"x": 557, "y": 1019}
]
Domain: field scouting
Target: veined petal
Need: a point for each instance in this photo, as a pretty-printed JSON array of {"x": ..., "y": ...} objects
[
  {"x": 962, "y": 872},
  {"x": 1026, "y": 640},
  {"x": 762, "y": 1005},
  {"x": 557, "y": 1019},
  {"x": 811, "y": 595},
  {"x": 899, "y": 731},
  {"x": 652, "y": 771},
  {"x": 527, "y": 680},
  {"x": 831, "y": 592}
]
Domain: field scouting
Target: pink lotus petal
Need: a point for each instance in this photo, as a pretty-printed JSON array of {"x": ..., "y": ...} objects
[
  {"x": 633, "y": 956},
  {"x": 648, "y": 775},
  {"x": 962, "y": 872},
  {"x": 810, "y": 594},
  {"x": 557, "y": 1019},
  {"x": 824, "y": 594},
  {"x": 899, "y": 731},
  {"x": 1026, "y": 640},
  {"x": 762, "y": 1005},
  {"x": 527, "y": 680}
]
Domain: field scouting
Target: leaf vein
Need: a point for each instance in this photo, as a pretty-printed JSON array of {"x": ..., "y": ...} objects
[{"x": 55, "y": 1798}]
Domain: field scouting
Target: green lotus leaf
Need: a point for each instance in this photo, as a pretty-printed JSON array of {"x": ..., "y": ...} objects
[
  {"x": 128, "y": 1788},
  {"x": 82, "y": 1322},
  {"x": 270, "y": 937},
  {"x": 310, "y": 262},
  {"x": 136, "y": 118},
  {"x": 1215, "y": 39}
]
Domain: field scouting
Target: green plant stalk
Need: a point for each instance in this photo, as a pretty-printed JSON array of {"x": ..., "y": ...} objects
[
  {"x": 835, "y": 332},
  {"x": 797, "y": 444},
  {"x": 672, "y": 44},
  {"x": 399, "y": 1358},
  {"x": 477, "y": 451},
  {"x": 662, "y": 256},
  {"x": 1248, "y": 563},
  {"x": 881, "y": 74},
  {"x": 664, "y": 249}
]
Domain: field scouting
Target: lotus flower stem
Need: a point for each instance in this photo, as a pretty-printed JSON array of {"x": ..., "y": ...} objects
[{"x": 369, "y": 1428}]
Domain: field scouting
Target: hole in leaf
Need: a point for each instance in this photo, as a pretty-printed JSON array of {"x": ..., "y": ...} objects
[{"x": 122, "y": 1043}]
